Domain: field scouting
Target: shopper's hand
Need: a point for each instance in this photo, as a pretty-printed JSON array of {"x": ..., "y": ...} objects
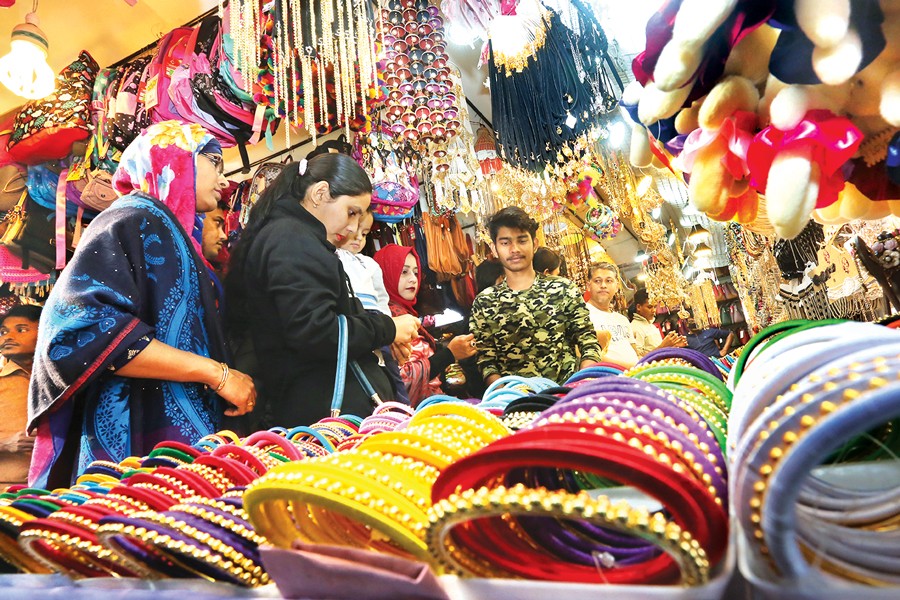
[
  {"x": 587, "y": 363},
  {"x": 240, "y": 392},
  {"x": 401, "y": 352},
  {"x": 673, "y": 340},
  {"x": 463, "y": 346},
  {"x": 407, "y": 328},
  {"x": 19, "y": 442}
]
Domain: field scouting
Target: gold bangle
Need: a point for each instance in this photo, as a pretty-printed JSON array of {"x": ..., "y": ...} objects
[{"x": 225, "y": 372}]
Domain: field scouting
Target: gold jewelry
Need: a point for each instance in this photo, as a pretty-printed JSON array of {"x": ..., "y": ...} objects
[{"x": 224, "y": 379}]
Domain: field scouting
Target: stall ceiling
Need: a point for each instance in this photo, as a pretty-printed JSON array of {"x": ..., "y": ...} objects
[{"x": 112, "y": 30}]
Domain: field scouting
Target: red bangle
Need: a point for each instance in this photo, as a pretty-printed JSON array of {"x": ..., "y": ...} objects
[
  {"x": 566, "y": 446},
  {"x": 261, "y": 439},
  {"x": 180, "y": 446},
  {"x": 237, "y": 472},
  {"x": 242, "y": 455},
  {"x": 154, "y": 499}
]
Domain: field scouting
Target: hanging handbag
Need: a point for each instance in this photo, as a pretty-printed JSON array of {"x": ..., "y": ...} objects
[
  {"x": 12, "y": 184},
  {"x": 46, "y": 129},
  {"x": 340, "y": 373},
  {"x": 30, "y": 234}
]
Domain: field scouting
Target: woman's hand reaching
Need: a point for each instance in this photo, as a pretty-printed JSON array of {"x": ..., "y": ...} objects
[
  {"x": 240, "y": 392},
  {"x": 407, "y": 329},
  {"x": 463, "y": 346}
]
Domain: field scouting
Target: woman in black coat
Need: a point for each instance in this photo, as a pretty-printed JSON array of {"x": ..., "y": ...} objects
[{"x": 287, "y": 287}]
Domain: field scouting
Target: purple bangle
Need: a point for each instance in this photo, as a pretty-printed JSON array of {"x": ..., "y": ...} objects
[
  {"x": 692, "y": 357},
  {"x": 645, "y": 417},
  {"x": 654, "y": 396},
  {"x": 577, "y": 548}
]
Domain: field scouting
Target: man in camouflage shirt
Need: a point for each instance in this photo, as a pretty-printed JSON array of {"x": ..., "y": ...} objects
[{"x": 529, "y": 324}]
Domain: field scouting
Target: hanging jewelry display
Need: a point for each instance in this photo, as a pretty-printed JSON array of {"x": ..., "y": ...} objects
[
  {"x": 315, "y": 61},
  {"x": 549, "y": 95},
  {"x": 538, "y": 195},
  {"x": 754, "y": 273},
  {"x": 565, "y": 238},
  {"x": 455, "y": 171},
  {"x": 664, "y": 282},
  {"x": 702, "y": 300},
  {"x": 486, "y": 151},
  {"x": 618, "y": 190},
  {"x": 422, "y": 104}
]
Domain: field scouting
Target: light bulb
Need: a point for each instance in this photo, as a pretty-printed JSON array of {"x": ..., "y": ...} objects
[
  {"x": 643, "y": 185},
  {"x": 25, "y": 70}
]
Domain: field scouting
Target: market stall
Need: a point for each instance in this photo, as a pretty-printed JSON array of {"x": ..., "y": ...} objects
[{"x": 737, "y": 167}]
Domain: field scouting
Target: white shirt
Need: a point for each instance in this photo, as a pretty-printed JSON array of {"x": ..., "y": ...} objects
[
  {"x": 646, "y": 335},
  {"x": 620, "y": 349},
  {"x": 367, "y": 281}
]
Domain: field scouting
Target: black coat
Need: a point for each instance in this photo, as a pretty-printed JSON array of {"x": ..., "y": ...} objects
[{"x": 296, "y": 288}]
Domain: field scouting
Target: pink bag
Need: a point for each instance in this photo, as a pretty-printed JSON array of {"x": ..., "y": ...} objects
[{"x": 316, "y": 571}]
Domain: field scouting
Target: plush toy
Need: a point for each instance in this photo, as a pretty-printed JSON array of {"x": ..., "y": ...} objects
[{"x": 817, "y": 141}]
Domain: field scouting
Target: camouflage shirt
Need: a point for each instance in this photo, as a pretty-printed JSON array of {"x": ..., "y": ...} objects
[{"x": 533, "y": 332}]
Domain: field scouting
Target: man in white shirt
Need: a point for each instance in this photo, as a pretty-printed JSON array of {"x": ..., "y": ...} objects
[
  {"x": 646, "y": 335},
  {"x": 613, "y": 329}
]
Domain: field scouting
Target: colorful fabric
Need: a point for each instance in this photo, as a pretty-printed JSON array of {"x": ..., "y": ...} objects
[
  {"x": 416, "y": 371},
  {"x": 136, "y": 274},
  {"x": 533, "y": 332},
  {"x": 150, "y": 165}
]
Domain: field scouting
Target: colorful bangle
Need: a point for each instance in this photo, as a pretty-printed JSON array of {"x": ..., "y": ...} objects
[{"x": 459, "y": 509}]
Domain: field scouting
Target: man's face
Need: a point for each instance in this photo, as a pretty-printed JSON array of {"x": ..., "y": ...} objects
[
  {"x": 514, "y": 249},
  {"x": 18, "y": 337},
  {"x": 213, "y": 233},
  {"x": 603, "y": 286},
  {"x": 646, "y": 310}
]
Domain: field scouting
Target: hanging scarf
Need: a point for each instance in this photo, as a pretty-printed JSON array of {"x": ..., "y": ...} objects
[{"x": 152, "y": 161}]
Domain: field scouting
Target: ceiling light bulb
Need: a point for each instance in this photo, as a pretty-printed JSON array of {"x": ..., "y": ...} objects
[
  {"x": 702, "y": 250},
  {"x": 643, "y": 185},
  {"x": 616, "y": 134},
  {"x": 24, "y": 70},
  {"x": 698, "y": 234}
]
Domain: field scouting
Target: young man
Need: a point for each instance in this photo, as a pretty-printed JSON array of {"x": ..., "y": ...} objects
[
  {"x": 18, "y": 338},
  {"x": 707, "y": 340},
  {"x": 646, "y": 335},
  {"x": 612, "y": 328},
  {"x": 529, "y": 324},
  {"x": 213, "y": 237}
]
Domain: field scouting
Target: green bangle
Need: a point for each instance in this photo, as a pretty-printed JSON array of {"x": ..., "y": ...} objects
[{"x": 771, "y": 334}]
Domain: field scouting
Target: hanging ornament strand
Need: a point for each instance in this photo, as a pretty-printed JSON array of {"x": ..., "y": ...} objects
[{"x": 315, "y": 62}]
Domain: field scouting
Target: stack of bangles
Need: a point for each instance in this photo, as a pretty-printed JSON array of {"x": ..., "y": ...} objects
[
  {"x": 519, "y": 507},
  {"x": 375, "y": 495},
  {"x": 60, "y": 531},
  {"x": 810, "y": 397}
]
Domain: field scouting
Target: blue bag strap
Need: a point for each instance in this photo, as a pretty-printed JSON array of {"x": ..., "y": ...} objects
[{"x": 340, "y": 372}]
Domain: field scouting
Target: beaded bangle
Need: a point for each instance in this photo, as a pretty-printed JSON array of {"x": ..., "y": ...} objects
[
  {"x": 568, "y": 446},
  {"x": 816, "y": 440},
  {"x": 457, "y": 509}
]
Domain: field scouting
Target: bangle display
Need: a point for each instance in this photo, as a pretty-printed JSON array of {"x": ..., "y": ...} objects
[{"x": 457, "y": 511}]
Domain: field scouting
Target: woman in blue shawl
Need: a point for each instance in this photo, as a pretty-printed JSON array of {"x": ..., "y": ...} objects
[{"x": 130, "y": 349}]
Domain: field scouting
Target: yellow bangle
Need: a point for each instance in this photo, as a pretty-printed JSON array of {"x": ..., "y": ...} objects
[
  {"x": 270, "y": 500},
  {"x": 469, "y": 414}
]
